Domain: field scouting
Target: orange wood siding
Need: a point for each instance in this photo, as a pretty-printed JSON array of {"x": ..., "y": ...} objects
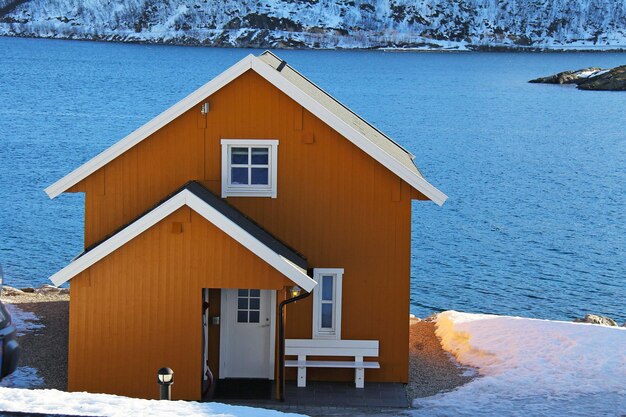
[
  {"x": 336, "y": 205},
  {"x": 140, "y": 308}
]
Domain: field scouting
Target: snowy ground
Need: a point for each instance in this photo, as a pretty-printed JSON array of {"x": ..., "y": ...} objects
[
  {"x": 532, "y": 367},
  {"x": 81, "y": 403},
  {"x": 527, "y": 367}
]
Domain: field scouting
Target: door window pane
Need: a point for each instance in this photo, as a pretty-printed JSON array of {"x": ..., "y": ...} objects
[
  {"x": 260, "y": 176},
  {"x": 239, "y": 156},
  {"x": 242, "y": 316},
  {"x": 260, "y": 156},
  {"x": 327, "y": 287},
  {"x": 248, "y": 306},
  {"x": 327, "y": 315},
  {"x": 239, "y": 176}
]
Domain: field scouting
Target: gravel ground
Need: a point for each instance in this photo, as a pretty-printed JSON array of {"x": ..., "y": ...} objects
[
  {"x": 45, "y": 349},
  {"x": 431, "y": 369}
]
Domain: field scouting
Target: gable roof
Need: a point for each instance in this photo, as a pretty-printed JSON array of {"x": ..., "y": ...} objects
[
  {"x": 217, "y": 211},
  {"x": 300, "y": 89}
]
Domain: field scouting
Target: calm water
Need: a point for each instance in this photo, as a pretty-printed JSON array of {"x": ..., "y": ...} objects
[{"x": 536, "y": 174}]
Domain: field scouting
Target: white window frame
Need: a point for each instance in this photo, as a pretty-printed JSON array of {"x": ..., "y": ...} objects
[
  {"x": 318, "y": 332},
  {"x": 232, "y": 190}
]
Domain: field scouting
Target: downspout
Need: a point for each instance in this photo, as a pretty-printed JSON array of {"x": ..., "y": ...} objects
[{"x": 281, "y": 343}]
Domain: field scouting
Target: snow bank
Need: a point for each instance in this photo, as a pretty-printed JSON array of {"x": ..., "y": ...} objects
[
  {"x": 81, "y": 403},
  {"x": 532, "y": 367}
]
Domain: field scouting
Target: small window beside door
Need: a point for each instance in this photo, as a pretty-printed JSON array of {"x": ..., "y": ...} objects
[
  {"x": 249, "y": 168},
  {"x": 327, "y": 303},
  {"x": 248, "y": 306}
]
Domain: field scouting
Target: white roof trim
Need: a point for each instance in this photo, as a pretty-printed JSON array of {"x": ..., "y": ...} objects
[
  {"x": 272, "y": 76},
  {"x": 186, "y": 197}
]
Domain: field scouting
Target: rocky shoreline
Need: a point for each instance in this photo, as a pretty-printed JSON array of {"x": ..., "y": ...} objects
[{"x": 592, "y": 78}]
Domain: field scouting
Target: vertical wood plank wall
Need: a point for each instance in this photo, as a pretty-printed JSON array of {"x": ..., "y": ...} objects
[
  {"x": 140, "y": 308},
  {"x": 336, "y": 205}
]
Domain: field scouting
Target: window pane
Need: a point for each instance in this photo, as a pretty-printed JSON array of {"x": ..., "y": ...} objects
[
  {"x": 327, "y": 287},
  {"x": 255, "y": 303},
  {"x": 242, "y": 293},
  {"x": 260, "y": 156},
  {"x": 255, "y": 293},
  {"x": 239, "y": 176},
  {"x": 239, "y": 155},
  {"x": 242, "y": 303},
  {"x": 254, "y": 317},
  {"x": 327, "y": 315},
  {"x": 260, "y": 176},
  {"x": 242, "y": 316}
]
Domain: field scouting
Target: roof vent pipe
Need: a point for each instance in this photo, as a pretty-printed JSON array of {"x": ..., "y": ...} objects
[{"x": 281, "y": 65}]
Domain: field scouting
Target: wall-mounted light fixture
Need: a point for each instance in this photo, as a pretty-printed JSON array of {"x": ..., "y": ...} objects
[{"x": 295, "y": 291}]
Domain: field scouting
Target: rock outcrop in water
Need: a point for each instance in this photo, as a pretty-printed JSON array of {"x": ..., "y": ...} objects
[
  {"x": 597, "y": 319},
  {"x": 590, "y": 78}
]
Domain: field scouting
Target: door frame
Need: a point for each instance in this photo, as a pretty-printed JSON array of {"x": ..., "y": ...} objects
[{"x": 225, "y": 340}]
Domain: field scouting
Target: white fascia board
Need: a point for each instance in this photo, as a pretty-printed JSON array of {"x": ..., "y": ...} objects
[
  {"x": 280, "y": 263},
  {"x": 270, "y": 74},
  {"x": 185, "y": 197},
  {"x": 118, "y": 240},
  {"x": 149, "y": 128},
  {"x": 419, "y": 183}
]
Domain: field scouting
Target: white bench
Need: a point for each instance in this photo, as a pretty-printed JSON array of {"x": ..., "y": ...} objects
[{"x": 358, "y": 349}]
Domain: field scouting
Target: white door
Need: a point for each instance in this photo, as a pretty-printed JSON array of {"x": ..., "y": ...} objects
[{"x": 247, "y": 325}]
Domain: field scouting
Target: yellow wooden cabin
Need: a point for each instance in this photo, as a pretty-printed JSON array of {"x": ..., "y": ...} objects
[{"x": 199, "y": 224}]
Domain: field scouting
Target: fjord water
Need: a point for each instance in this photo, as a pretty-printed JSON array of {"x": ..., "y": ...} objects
[{"x": 536, "y": 174}]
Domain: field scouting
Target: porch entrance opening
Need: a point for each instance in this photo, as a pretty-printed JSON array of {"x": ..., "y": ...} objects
[
  {"x": 239, "y": 343},
  {"x": 245, "y": 334}
]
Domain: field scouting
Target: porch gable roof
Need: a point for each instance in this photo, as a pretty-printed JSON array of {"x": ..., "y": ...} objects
[{"x": 215, "y": 210}]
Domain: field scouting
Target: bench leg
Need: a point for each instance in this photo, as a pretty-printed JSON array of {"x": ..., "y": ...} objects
[
  {"x": 359, "y": 374},
  {"x": 302, "y": 372}
]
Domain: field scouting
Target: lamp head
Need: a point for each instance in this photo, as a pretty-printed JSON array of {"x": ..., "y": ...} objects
[
  {"x": 295, "y": 291},
  {"x": 166, "y": 376}
]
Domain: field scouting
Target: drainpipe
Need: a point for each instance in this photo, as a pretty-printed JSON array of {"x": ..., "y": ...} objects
[{"x": 281, "y": 343}]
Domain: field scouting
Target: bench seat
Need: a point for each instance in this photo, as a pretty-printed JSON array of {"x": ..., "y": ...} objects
[
  {"x": 332, "y": 364},
  {"x": 358, "y": 349}
]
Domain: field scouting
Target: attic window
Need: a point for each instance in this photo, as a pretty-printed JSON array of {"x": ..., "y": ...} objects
[{"x": 249, "y": 168}]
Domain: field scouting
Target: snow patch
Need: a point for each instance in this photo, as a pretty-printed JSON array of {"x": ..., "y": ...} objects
[
  {"x": 82, "y": 403},
  {"x": 23, "y": 377},
  {"x": 24, "y": 321},
  {"x": 531, "y": 367}
]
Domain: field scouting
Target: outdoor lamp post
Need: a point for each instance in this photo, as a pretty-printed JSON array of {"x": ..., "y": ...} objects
[{"x": 166, "y": 379}]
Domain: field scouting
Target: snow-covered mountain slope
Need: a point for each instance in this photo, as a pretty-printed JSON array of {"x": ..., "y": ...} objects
[{"x": 420, "y": 24}]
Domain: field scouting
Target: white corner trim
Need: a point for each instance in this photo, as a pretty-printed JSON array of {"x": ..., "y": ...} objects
[
  {"x": 149, "y": 128},
  {"x": 185, "y": 197},
  {"x": 272, "y": 76}
]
